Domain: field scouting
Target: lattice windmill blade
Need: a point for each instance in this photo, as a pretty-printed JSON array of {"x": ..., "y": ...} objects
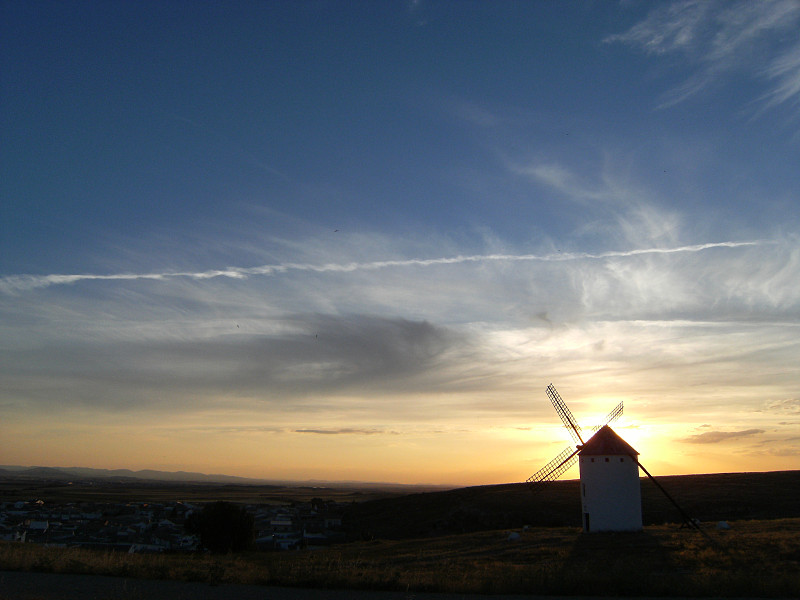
[
  {"x": 610, "y": 417},
  {"x": 566, "y": 416},
  {"x": 556, "y": 467}
]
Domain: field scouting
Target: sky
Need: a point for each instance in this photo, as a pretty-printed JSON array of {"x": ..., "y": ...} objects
[{"x": 347, "y": 240}]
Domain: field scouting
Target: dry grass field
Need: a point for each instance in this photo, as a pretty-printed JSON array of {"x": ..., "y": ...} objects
[{"x": 753, "y": 558}]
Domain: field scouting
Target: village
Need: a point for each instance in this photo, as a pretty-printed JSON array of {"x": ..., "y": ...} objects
[{"x": 136, "y": 527}]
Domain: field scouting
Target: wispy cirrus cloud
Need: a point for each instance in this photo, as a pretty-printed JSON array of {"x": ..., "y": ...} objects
[
  {"x": 784, "y": 71},
  {"x": 716, "y": 437},
  {"x": 562, "y": 179},
  {"x": 787, "y": 405},
  {"x": 668, "y": 28},
  {"x": 719, "y": 38},
  {"x": 346, "y": 431}
]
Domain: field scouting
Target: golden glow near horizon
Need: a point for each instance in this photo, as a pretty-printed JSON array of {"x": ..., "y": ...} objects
[
  {"x": 501, "y": 428},
  {"x": 485, "y": 451}
]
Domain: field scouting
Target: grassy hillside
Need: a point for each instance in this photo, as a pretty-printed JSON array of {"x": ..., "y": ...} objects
[{"x": 706, "y": 497}]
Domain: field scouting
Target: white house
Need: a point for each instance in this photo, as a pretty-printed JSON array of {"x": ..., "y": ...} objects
[{"x": 610, "y": 490}]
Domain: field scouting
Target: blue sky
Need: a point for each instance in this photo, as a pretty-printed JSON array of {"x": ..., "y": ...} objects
[{"x": 356, "y": 240}]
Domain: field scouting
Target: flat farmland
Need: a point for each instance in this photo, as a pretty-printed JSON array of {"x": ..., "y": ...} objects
[{"x": 111, "y": 491}]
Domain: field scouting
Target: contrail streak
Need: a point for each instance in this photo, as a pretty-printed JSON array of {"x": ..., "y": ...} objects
[{"x": 20, "y": 283}]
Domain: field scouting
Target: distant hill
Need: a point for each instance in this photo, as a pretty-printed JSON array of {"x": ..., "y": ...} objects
[
  {"x": 153, "y": 475},
  {"x": 42, "y": 473},
  {"x": 726, "y": 496},
  {"x": 67, "y": 473},
  {"x": 61, "y": 474}
]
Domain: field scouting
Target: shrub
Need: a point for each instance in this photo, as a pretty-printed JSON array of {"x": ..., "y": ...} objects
[{"x": 223, "y": 527}]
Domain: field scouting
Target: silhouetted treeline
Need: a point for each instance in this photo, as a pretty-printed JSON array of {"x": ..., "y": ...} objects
[{"x": 223, "y": 527}]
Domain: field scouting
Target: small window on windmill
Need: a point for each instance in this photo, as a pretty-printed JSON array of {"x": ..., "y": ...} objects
[
  {"x": 607, "y": 459},
  {"x": 592, "y": 460},
  {"x": 621, "y": 459}
]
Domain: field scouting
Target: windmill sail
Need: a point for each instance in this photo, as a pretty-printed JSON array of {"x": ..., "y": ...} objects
[
  {"x": 569, "y": 456},
  {"x": 610, "y": 417},
  {"x": 565, "y": 414},
  {"x": 556, "y": 467}
]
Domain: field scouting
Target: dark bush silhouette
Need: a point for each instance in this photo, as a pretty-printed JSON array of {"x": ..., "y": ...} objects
[{"x": 223, "y": 527}]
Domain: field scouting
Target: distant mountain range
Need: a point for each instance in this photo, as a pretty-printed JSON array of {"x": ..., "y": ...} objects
[
  {"x": 126, "y": 475},
  {"x": 70, "y": 473}
]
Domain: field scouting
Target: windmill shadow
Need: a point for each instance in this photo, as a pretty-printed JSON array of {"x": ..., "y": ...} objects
[{"x": 622, "y": 564}]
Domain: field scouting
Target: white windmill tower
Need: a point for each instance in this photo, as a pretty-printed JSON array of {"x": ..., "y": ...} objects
[
  {"x": 611, "y": 495},
  {"x": 610, "y": 488}
]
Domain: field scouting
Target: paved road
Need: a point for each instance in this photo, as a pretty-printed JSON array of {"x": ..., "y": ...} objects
[{"x": 16, "y": 585}]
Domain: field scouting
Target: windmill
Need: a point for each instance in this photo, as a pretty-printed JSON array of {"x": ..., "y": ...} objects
[
  {"x": 609, "y": 473},
  {"x": 567, "y": 457}
]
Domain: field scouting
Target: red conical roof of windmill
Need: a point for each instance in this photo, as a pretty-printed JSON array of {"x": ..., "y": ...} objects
[{"x": 607, "y": 443}]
